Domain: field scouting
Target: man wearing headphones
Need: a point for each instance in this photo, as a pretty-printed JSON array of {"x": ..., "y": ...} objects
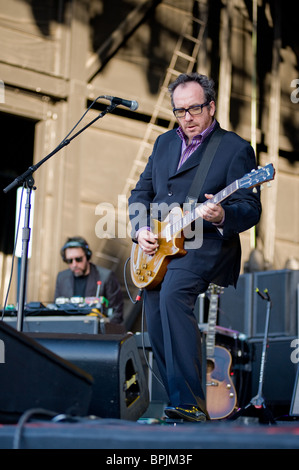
[{"x": 81, "y": 279}]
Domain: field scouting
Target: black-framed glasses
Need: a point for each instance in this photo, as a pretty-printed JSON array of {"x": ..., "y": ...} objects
[
  {"x": 193, "y": 110},
  {"x": 70, "y": 260}
]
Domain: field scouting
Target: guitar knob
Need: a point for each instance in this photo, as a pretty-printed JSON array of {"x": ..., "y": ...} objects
[
  {"x": 141, "y": 278},
  {"x": 144, "y": 266},
  {"x": 149, "y": 273},
  {"x": 138, "y": 271}
]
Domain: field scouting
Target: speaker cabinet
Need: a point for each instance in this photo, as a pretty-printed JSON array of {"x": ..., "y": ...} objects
[
  {"x": 279, "y": 372},
  {"x": 294, "y": 409},
  {"x": 33, "y": 377},
  {"x": 282, "y": 288},
  {"x": 235, "y": 310},
  {"x": 119, "y": 389},
  {"x": 243, "y": 310}
]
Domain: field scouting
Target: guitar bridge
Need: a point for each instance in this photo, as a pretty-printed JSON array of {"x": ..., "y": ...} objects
[{"x": 212, "y": 384}]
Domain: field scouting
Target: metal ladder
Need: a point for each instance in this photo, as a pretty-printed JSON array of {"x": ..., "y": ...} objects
[{"x": 183, "y": 61}]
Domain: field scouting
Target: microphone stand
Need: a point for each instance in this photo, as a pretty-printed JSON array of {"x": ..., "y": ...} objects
[
  {"x": 27, "y": 180},
  {"x": 258, "y": 401}
]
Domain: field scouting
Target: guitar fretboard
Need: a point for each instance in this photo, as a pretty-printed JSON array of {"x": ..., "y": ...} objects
[
  {"x": 194, "y": 214},
  {"x": 210, "y": 339}
]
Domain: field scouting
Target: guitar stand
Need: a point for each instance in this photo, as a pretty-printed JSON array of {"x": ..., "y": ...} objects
[{"x": 258, "y": 403}]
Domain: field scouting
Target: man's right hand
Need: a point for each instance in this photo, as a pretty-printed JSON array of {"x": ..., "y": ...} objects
[{"x": 148, "y": 242}]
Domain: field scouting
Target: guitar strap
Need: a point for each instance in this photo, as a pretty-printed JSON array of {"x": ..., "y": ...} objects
[{"x": 204, "y": 166}]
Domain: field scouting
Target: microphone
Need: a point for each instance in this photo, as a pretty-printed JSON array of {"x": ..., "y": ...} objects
[{"x": 133, "y": 105}]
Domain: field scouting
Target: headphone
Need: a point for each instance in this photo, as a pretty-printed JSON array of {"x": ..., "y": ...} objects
[{"x": 76, "y": 242}]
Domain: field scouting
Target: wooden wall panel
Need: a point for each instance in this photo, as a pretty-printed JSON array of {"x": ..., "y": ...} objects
[
  {"x": 107, "y": 157},
  {"x": 23, "y": 50},
  {"x": 32, "y": 39},
  {"x": 287, "y": 209}
]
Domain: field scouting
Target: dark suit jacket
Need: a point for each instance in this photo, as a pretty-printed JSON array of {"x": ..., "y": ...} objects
[
  {"x": 110, "y": 288},
  {"x": 218, "y": 259}
]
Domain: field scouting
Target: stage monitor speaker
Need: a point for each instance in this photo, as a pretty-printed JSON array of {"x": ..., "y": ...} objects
[
  {"x": 279, "y": 372},
  {"x": 119, "y": 388},
  {"x": 32, "y": 377}
]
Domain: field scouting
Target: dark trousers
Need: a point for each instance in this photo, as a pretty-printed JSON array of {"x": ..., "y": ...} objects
[{"x": 175, "y": 336}]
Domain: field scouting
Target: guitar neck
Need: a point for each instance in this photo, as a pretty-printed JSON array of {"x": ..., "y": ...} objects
[
  {"x": 194, "y": 214},
  {"x": 211, "y": 333},
  {"x": 250, "y": 180}
]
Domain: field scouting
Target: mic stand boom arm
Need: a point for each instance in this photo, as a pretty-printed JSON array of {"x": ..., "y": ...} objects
[{"x": 27, "y": 180}]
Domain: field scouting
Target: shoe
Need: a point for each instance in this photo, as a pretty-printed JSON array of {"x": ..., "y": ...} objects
[{"x": 187, "y": 413}]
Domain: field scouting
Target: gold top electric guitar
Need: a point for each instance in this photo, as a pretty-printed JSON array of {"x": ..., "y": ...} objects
[{"x": 147, "y": 271}]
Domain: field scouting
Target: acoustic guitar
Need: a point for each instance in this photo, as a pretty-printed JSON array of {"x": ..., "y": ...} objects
[
  {"x": 221, "y": 397},
  {"x": 147, "y": 271}
]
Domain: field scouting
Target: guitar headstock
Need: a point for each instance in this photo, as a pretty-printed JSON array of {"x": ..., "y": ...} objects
[
  {"x": 257, "y": 177},
  {"x": 213, "y": 289}
]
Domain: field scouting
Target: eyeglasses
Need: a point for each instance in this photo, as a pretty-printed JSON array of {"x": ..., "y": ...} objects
[
  {"x": 193, "y": 110},
  {"x": 70, "y": 260}
]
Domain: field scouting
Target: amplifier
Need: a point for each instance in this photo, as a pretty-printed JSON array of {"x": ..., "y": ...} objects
[
  {"x": 279, "y": 369},
  {"x": 243, "y": 310},
  {"x": 59, "y": 324}
]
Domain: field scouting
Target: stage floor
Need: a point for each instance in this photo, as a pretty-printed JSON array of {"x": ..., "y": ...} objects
[{"x": 149, "y": 433}]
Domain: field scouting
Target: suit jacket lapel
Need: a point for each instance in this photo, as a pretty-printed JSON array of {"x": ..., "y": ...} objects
[
  {"x": 191, "y": 162},
  {"x": 174, "y": 153}
]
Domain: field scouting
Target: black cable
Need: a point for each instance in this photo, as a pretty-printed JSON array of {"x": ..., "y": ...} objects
[
  {"x": 24, "y": 418},
  {"x": 137, "y": 299},
  {"x": 64, "y": 141},
  {"x": 143, "y": 348},
  {"x": 13, "y": 255},
  {"x": 139, "y": 295}
]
